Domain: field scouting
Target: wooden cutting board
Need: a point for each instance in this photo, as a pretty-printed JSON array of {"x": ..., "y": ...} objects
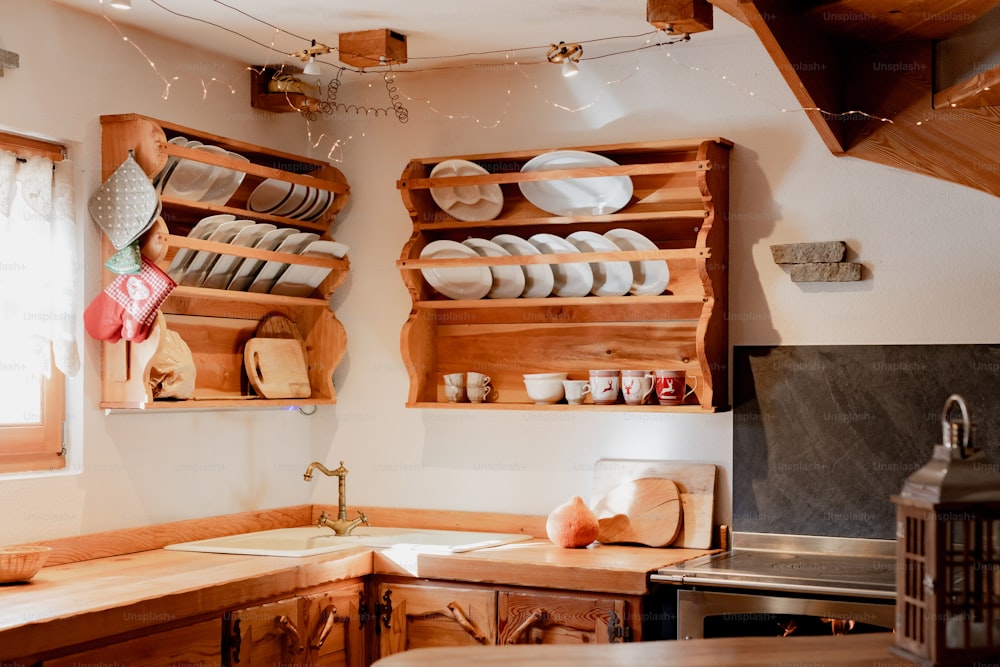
[
  {"x": 695, "y": 482},
  {"x": 640, "y": 511},
  {"x": 276, "y": 368}
]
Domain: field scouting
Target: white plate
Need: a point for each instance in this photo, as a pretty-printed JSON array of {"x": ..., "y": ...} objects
[
  {"x": 508, "y": 281},
  {"x": 301, "y": 280},
  {"x": 249, "y": 269},
  {"x": 610, "y": 278},
  {"x": 574, "y": 279},
  {"x": 538, "y": 278},
  {"x": 225, "y": 267},
  {"x": 202, "y": 230},
  {"x": 319, "y": 208},
  {"x": 200, "y": 266},
  {"x": 161, "y": 177},
  {"x": 269, "y": 195},
  {"x": 226, "y": 181},
  {"x": 190, "y": 180},
  {"x": 468, "y": 203},
  {"x": 649, "y": 277},
  {"x": 597, "y": 195},
  {"x": 271, "y": 271},
  {"x": 466, "y": 282},
  {"x": 295, "y": 199}
]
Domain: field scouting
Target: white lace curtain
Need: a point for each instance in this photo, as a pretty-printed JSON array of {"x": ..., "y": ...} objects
[{"x": 38, "y": 266}]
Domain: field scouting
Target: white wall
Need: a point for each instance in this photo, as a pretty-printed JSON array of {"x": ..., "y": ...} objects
[{"x": 926, "y": 245}]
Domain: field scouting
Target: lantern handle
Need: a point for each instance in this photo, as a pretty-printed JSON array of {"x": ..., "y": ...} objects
[{"x": 946, "y": 431}]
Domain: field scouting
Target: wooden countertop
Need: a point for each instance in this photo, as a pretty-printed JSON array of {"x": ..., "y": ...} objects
[
  {"x": 844, "y": 651},
  {"x": 124, "y": 582}
]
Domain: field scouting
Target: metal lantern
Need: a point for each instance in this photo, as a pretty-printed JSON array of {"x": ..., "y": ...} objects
[{"x": 948, "y": 553}]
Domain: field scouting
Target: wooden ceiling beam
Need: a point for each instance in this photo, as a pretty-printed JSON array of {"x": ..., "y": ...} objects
[{"x": 809, "y": 62}]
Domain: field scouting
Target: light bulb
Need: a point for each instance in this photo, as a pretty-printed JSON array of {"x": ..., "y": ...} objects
[
  {"x": 121, "y": 4},
  {"x": 312, "y": 67},
  {"x": 570, "y": 68}
]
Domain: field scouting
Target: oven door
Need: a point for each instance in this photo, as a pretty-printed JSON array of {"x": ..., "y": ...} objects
[{"x": 708, "y": 613}]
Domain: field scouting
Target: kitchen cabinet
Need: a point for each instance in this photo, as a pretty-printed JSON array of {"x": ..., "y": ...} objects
[
  {"x": 216, "y": 323},
  {"x": 435, "y": 613},
  {"x": 679, "y": 203},
  {"x": 319, "y": 629},
  {"x": 197, "y": 644}
]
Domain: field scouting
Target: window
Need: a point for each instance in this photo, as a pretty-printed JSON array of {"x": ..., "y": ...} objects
[{"x": 37, "y": 343}]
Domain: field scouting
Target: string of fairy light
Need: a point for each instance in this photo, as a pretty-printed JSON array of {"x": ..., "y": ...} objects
[{"x": 512, "y": 63}]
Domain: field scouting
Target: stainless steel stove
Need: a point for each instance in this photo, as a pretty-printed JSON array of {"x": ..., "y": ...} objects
[
  {"x": 795, "y": 563},
  {"x": 785, "y": 584}
]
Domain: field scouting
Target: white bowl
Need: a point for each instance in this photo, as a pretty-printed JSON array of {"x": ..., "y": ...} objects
[
  {"x": 546, "y": 376},
  {"x": 545, "y": 391}
]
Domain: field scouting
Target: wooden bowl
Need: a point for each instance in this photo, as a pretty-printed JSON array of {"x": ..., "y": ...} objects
[{"x": 21, "y": 563}]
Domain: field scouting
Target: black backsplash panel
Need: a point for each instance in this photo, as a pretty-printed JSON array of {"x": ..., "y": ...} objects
[{"x": 825, "y": 435}]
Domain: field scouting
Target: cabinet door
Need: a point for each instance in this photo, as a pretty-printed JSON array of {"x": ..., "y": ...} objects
[
  {"x": 198, "y": 644},
  {"x": 332, "y": 626},
  {"x": 415, "y": 616},
  {"x": 269, "y": 634},
  {"x": 553, "y": 618}
]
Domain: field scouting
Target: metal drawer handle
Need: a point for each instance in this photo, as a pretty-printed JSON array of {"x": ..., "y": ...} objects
[{"x": 466, "y": 624}]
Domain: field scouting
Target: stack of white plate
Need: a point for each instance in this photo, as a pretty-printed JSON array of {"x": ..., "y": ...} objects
[
  {"x": 570, "y": 279},
  {"x": 197, "y": 181},
  {"x": 205, "y": 268},
  {"x": 289, "y": 200}
]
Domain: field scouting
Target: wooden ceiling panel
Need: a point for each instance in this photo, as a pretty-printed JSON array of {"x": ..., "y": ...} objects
[{"x": 881, "y": 21}]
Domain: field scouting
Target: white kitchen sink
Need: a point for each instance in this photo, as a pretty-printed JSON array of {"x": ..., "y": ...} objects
[{"x": 313, "y": 540}]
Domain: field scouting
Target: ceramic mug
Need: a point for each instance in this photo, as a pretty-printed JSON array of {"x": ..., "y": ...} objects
[
  {"x": 637, "y": 386},
  {"x": 477, "y": 379},
  {"x": 477, "y": 392},
  {"x": 454, "y": 380},
  {"x": 454, "y": 393},
  {"x": 575, "y": 390},
  {"x": 671, "y": 387},
  {"x": 604, "y": 387}
]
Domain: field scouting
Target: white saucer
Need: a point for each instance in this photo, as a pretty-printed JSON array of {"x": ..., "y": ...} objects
[
  {"x": 596, "y": 195},
  {"x": 465, "y": 282},
  {"x": 268, "y": 275},
  {"x": 574, "y": 279},
  {"x": 301, "y": 280},
  {"x": 649, "y": 277},
  {"x": 610, "y": 278},
  {"x": 468, "y": 203},
  {"x": 508, "y": 281},
  {"x": 202, "y": 230},
  {"x": 201, "y": 265},
  {"x": 249, "y": 268},
  {"x": 225, "y": 267},
  {"x": 538, "y": 278}
]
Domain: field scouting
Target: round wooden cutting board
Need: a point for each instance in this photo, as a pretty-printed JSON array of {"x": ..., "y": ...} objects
[{"x": 640, "y": 511}]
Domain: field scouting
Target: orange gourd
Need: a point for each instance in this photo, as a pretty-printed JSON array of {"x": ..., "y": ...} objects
[{"x": 572, "y": 524}]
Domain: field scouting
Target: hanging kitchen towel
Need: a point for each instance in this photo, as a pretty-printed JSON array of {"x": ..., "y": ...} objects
[{"x": 126, "y": 204}]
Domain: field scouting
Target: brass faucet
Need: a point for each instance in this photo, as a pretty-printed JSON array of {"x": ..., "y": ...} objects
[{"x": 341, "y": 525}]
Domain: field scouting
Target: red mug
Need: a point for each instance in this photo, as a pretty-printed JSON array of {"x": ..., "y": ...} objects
[{"x": 671, "y": 387}]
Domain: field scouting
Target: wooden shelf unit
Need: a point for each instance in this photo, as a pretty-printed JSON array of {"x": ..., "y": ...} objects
[
  {"x": 217, "y": 323},
  {"x": 680, "y": 202}
]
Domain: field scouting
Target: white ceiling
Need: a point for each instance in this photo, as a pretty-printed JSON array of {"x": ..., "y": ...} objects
[{"x": 436, "y": 30}]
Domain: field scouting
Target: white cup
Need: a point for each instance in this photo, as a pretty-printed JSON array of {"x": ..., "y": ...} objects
[
  {"x": 454, "y": 394},
  {"x": 575, "y": 391},
  {"x": 477, "y": 392},
  {"x": 637, "y": 386},
  {"x": 477, "y": 379},
  {"x": 604, "y": 387},
  {"x": 454, "y": 380}
]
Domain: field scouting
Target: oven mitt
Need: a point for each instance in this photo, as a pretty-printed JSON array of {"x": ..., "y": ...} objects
[
  {"x": 127, "y": 307},
  {"x": 126, "y": 204},
  {"x": 128, "y": 260}
]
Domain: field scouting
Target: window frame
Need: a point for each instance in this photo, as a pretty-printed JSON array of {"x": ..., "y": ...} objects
[{"x": 36, "y": 447}]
